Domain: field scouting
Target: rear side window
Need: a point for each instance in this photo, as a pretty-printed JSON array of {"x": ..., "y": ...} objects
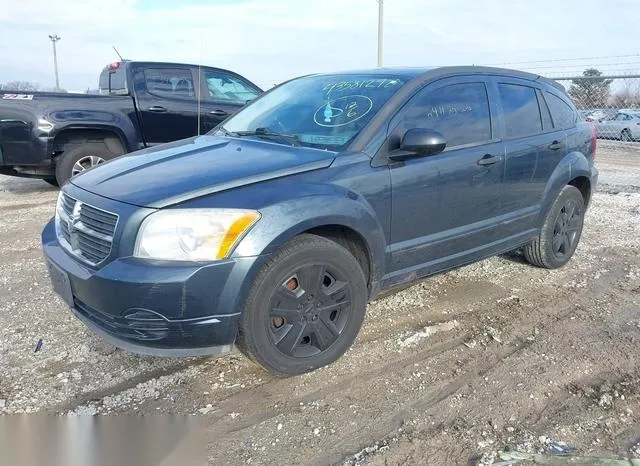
[
  {"x": 460, "y": 112},
  {"x": 226, "y": 88},
  {"x": 174, "y": 83},
  {"x": 521, "y": 111},
  {"x": 562, "y": 114},
  {"x": 113, "y": 81}
]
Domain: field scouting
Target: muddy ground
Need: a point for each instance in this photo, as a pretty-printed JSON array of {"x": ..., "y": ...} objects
[{"x": 513, "y": 356}]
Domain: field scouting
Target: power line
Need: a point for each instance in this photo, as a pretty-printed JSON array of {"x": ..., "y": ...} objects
[
  {"x": 592, "y": 65},
  {"x": 562, "y": 59}
]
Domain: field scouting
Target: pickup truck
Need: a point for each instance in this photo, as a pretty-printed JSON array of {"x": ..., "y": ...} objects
[{"x": 54, "y": 136}]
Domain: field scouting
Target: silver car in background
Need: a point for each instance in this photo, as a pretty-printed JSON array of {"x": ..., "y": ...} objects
[{"x": 623, "y": 125}]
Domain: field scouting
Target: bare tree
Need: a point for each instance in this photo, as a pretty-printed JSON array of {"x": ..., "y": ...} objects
[
  {"x": 628, "y": 96},
  {"x": 20, "y": 86}
]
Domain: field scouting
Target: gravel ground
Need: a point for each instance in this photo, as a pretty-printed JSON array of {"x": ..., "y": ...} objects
[{"x": 449, "y": 371}]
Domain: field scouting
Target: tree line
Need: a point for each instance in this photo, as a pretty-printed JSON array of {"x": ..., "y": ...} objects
[
  {"x": 593, "y": 90},
  {"x": 26, "y": 86}
]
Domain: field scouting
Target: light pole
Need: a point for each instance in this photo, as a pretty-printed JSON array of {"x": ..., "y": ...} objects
[
  {"x": 55, "y": 38},
  {"x": 380, "y": 21}
]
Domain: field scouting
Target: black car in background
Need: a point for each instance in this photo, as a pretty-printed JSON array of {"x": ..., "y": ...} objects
[{"x": 57, "y": 135}]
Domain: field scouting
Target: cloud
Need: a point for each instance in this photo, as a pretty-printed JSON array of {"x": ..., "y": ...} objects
[{"x": 269, "y": 41}]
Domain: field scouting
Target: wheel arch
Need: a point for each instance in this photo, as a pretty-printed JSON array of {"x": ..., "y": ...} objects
[
  {"x": 72, "y": 136},
  {"x": 348, "y": 222},
  {"x": 573, "y": 169}
]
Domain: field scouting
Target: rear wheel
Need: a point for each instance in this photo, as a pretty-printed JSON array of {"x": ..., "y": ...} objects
[
  {"x": 560, "y": 234},
  {"x": 306, "y": 307},
  {"x": 81, "y": 158},
  {"x": 625, "y": 135}
]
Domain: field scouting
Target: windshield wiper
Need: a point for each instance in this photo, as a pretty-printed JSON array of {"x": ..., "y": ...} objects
[{"x": 267, "y": 134}]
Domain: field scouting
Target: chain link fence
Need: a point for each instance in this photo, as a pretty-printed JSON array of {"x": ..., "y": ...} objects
[{"x": 610, "y": 102}]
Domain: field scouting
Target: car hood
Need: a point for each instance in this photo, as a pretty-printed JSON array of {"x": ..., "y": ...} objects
[{"x": 172, "y": 173}]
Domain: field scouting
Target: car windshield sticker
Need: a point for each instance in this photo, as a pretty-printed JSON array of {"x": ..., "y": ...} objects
[{"x": 342, "y": 111}]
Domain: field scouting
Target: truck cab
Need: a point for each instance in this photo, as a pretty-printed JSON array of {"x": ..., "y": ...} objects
[{"x": 55, "y": 136}]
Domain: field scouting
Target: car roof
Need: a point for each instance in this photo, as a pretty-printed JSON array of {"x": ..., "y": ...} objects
[{"x": 444, "y": 71}]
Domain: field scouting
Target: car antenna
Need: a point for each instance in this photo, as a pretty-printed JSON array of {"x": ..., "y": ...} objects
[
  {"x": 118, "y": 53},
  {"x": 199, "y": 80}
]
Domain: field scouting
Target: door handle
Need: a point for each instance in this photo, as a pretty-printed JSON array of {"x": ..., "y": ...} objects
[
  {"x": 157, "y": 109},
  {"x": 489, "y": 159},
  {"x": 218, "y": 113},
  {"x": 555, "y": 145}
]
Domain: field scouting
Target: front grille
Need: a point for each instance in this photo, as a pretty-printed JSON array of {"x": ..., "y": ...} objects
[{"x": 84, "y": 230}]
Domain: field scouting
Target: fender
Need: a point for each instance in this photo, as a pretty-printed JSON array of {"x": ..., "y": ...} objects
[
  {"x": 573, "y": 165},
  {"x": 118, "y": 123},
  {"x": 310, "y": 212},
  {"x": 316, "y": 211}
]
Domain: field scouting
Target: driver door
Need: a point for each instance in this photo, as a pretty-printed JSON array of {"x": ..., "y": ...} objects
[{"x": 445, "y": 207}]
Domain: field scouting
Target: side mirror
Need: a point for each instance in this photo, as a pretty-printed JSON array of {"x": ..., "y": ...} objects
[{"x": 418, "y": 142}]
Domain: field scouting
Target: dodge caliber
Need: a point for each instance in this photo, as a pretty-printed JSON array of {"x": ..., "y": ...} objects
[{"x": 273, "y": 231}]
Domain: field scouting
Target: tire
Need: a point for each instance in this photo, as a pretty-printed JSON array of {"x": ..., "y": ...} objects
[
  {"x": 51, "y": 181},
  {"x": 85, "y": 156},
  {"x": 625, "y": 136},
  {"x": 560, "y": 233},
  {"x": 288, "y": 330}
]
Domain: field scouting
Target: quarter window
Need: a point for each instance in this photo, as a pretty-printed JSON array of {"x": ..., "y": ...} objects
[
  {"x": 460, "y": 112},
  {"x": 562, "y": 114},
  {"x": 174, "y": 83},
  {"x": 521, "y": 111}
]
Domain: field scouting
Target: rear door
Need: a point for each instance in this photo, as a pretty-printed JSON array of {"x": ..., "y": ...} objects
[
  {"x": 166, "y": 99},
  {"x": 533, "y": 147},
  {"x": 223, "y": 94}
]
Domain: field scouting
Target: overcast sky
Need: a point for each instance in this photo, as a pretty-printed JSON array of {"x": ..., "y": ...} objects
[{"x": 272, "y": 40}]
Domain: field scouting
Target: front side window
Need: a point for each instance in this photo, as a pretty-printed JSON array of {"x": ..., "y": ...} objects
[
  {"x": 562, "y": 114},
  {"x": 460, "y": 112},
  {"x": 521, "y": 111},
  {"x": 226, "y": 88},
  {"x": 174, "y": 83},
  {"x": 323, "y": 111}
]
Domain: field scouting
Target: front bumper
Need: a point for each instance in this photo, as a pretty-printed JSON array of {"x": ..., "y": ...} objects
[{"x": 154, "y": 308}]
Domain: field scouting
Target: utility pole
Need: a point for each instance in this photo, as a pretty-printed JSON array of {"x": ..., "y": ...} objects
[
  {"x": 55, "y": 38},
  {"x": 380, "y": 21}
]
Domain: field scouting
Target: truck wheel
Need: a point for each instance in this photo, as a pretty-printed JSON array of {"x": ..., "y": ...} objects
[
  {"x": 306, "y": 307},
  {"x": 51, "y": 181},
  {"x": 81, "y": 158},
  {"x": 560, "y": 233}
]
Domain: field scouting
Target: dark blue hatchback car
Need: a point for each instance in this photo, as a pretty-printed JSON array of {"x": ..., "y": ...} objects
[{"x": 275, "y": 230}]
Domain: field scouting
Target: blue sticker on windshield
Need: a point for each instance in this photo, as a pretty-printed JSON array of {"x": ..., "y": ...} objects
[{"x": 342, "y": 111}]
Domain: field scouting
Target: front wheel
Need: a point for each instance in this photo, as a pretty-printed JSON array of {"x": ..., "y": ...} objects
[
  {"x": 306, "y": 307},
  {"x": 560, "y": 234},
  {"x": 625, "y": 136},
  {"x": 81, "y": 158}
]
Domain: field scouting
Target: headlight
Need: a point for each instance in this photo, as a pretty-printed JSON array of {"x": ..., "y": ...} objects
[{"x": 193, "y": 234}]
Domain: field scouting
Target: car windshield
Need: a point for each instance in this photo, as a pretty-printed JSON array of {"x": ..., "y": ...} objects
[{"x": 325, "y": 111}]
